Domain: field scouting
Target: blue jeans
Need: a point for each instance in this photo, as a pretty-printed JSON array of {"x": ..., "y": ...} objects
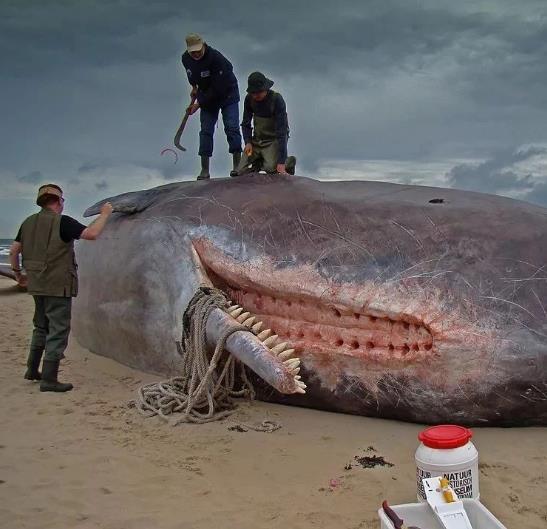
[{"x": 208, "y": 119}]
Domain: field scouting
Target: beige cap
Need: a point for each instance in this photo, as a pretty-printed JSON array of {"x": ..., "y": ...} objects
[
  {"x": 194, "y": 42},
  {"x": 46, "y": 191}
]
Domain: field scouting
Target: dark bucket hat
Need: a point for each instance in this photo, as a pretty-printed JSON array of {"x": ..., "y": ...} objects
[{"x": 258, "y": 82}]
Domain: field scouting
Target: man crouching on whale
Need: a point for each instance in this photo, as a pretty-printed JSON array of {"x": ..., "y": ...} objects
[{"x": 46, "y": 241}]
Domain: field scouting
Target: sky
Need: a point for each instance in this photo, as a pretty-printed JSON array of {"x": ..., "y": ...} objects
[{"x": 432, "y": 92}]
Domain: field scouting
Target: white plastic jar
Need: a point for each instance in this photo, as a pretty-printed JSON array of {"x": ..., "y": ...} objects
[{"x": 446, "y": 450}]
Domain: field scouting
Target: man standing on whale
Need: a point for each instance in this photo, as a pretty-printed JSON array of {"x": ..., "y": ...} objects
[
  {"x": 215, "y": 87},
  {"x": 46, "y": 241}
]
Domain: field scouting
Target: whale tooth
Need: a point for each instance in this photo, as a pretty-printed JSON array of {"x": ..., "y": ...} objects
[
  {"x": 285, "y": 355},
  {"x": 249, "y": 322},
  {"x": 292, "y": 362},
  {"x": 232, "y": 307},
  {"x": 301, "y": 384},
  {"x": 271, "y": 340},
  {"x": 264, "y": 334},
  {"x": 256, "y": 327},
  {"x": 279, "y": 348},
  {"x": 295, "y": 372},
  {"x": 297, "y": 377},
  {"x": 235, "y": 313},
  {"x": 229, "y": 303},
  {"x": 243, "y": 317},
  {"x": 300, "y": 390},
  {"x": 246, "y": 347}
]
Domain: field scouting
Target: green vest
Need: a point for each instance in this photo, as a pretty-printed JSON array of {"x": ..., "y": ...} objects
[
  {"x": 48, "y": 260},
  {"x": 264, "y": 132}
]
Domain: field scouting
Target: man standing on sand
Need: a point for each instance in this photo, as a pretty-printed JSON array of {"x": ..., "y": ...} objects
[
  {"x": 215, "y": 87},
  {"x": 266, "y": 145},
  {"x": 46, "y": 241}
]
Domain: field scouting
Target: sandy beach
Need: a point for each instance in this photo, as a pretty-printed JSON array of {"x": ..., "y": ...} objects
[{"x": 87, "y": 460}]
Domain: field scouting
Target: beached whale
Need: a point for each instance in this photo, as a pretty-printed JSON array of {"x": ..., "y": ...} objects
[{"x": 399, "y": 301}]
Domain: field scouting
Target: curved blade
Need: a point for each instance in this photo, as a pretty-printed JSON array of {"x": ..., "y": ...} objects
[{"x": 180, "y": 130}]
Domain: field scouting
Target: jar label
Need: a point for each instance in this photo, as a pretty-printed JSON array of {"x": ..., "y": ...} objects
[
  {"x": 421, "y": 474},
  {"x": 460, "y": 481}
]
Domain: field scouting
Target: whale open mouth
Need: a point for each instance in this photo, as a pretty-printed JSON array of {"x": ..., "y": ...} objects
[
  {"x": 316, "y": 327},
  {"x": 295, "y": 324}
]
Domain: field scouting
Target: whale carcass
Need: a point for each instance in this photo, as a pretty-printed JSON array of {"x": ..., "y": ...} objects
[{"x": 406, "y": 302}]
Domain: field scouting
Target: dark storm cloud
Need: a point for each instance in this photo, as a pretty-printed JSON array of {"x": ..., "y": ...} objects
[
  {"x": 95, "y": 171},
  {"x": 94, "y": 90},
  {"x": 40, "y": 38},
  {"x": 102, "y": 185},
  {"x": 324, "y": 41},
  {"x": 495, "y": 174},
  {"x": 538, "y": 195},
  {"x": 171, "y": 172},
  {"x": 510, "y": 173},
  {"x": 34, "y": 177},
  {"x": 89, "y": 167}
]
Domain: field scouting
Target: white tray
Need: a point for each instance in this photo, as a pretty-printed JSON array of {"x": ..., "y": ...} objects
[{"x": 421, "y": 515}]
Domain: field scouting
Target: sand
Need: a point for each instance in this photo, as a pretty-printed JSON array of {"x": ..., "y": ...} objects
[{"x": 86, "y": 460}]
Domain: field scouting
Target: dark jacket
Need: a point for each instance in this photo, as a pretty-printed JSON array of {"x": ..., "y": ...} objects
[
  {"x": 214, "y": 76},
  {"x": 272, "y": 106}
]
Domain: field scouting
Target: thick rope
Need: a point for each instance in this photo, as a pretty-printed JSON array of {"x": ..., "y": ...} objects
[{"x": 200, "y": 394}]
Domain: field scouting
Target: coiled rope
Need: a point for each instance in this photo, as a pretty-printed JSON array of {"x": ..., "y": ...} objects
[{"x": 200, "y": 394}]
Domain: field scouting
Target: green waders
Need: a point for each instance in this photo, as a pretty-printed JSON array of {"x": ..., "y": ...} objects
[
  {"x": 264, "y": 143},
  {"x": 51, "y": 329},
  {"x": 265, "y": 149}
]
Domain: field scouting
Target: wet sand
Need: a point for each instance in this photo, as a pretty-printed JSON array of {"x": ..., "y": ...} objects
[{"x": 86, "y": 460}]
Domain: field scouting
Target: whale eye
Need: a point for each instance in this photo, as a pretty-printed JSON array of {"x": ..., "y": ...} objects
[{"x": 437, "y": 201}]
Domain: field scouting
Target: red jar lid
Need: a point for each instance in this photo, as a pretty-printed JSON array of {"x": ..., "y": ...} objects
[{"x": 445, "y": 436}]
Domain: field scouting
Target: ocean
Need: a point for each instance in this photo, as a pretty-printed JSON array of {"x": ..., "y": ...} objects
[{"x": 4, "y": 250}]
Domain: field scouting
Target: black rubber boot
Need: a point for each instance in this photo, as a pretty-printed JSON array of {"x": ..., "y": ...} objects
[
  {"x": 236, "y": 159},
  {"x": 204, "y": 175},
  {"x": 49, "y": 380},
  {"x": 33, "y": 363},
  {"x": 290, "y": 165}
]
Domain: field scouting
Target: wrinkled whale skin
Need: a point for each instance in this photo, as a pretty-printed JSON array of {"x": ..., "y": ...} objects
[{"x": 407, "y": 302}]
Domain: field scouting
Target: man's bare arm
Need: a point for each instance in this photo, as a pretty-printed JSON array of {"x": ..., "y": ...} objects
[
  {"x": 97, "y": 226},
  {"x": 14, "y": 252}
]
